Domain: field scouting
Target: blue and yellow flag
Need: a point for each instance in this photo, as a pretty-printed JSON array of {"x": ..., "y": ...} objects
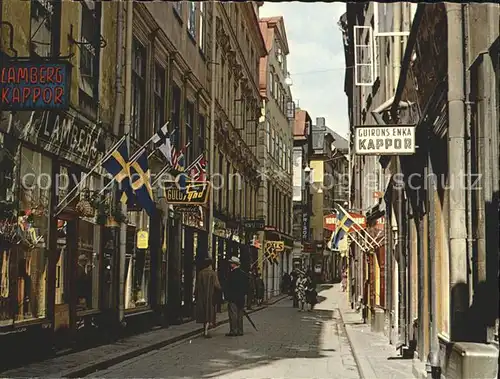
[
  {"x": 141, "y": 182},
  {"x": 117, "y": 165},
  {"x": 344, "y": 224}
]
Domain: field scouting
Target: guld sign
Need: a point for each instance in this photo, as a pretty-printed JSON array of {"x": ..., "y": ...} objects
[
  {"x": 196, "y": 193},
  {"x": 32, "y": 85}
]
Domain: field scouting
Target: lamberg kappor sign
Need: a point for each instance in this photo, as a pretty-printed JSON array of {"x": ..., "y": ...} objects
[
  {"x": 385, "y": 140},
  {"x": 32, "y": 85}
]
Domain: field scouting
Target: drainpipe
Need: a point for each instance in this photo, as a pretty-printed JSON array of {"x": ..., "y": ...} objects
[
  {"x": 457, "y": 230},
  {"x": 468, "y": 163},
  {"x": 433, "y": 363},
  {"x": 126, "y": 124}
]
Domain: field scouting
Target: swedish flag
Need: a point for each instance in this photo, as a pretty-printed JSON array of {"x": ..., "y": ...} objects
[
  {"x": 141, "y": 182},
  {"x": 344, "y": 224},
  {"x": 118, "y": 166}
]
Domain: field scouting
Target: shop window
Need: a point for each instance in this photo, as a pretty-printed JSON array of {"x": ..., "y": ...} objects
[
  {"x": 191, "y": 22},
  {"x": 203, "y": 30},
  {"x": 87, "y": 269},
  {"x": 138, "y": 91},
  {"x": 89, "y": 57},
  {"x": 189, "y": 132},
  {"x": 137, "y": 263},
  {"x": 23, "y": 256},
  {"x": 159, "y": 96},
  {"x": 42, "y": 24}
]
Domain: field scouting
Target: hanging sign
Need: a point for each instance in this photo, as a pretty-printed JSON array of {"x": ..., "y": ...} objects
[
  {"x": 278, "y": 246},
  {"x": 385, "y": 140},
  {"x": 330, "y": 222},
  {"x": 142, "y": 239},
  {"x": 196, "y": 193},
  {"x": 32, "y": 85}
]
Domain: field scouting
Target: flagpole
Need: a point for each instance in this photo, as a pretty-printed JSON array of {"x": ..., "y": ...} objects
[
  {"x": 354, "y": 221},
  {"x": 212, "y": 130},
  {"x": 108, "y": 154}
]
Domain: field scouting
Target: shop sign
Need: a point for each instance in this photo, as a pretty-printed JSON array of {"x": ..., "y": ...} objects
[
  {"x": 305, "y": 226},
  {"x": 360, "y": 221},
  {"x": 278, "y": 246},
  {"x": 64, "y": 134},
  {"x": 254, "y": 224},
  {"x": 31, "y": 85},
  {"x": 330, "y": 222},
  {"x": 268, "y": 228},
  {"x": 142, "y": 239},
  {"x": 390, "y": 140},
  {"x": 61, "y": 316},
  {"x": 196, "y": 193},
  {"x": 194, "y": 220}
]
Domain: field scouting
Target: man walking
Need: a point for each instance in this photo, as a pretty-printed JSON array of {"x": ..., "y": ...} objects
[
  {"x": 235, "y": 290},
  {"x": 207, "y": 283}
]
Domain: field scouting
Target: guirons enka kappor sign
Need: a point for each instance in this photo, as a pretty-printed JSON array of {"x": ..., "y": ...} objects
[{"x": 385, "y": 140}]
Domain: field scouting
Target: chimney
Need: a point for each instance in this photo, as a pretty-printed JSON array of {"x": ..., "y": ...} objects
[{"x": 320, "y": 122}]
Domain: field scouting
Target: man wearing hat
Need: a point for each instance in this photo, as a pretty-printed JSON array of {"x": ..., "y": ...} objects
[{"x": 235, "y": 290}]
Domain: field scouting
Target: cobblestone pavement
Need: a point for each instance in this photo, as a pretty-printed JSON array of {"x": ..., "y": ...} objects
[{"x": 288, "y": 344}]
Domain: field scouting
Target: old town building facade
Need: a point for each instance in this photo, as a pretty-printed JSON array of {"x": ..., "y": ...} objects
[
  {"x": 275, "y": 151},
  {"x": 42, "y": 286}
]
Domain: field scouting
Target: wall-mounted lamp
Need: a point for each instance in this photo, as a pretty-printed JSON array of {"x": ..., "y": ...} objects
[
  {"x": 320, "y": 190},
  {"x": 307, "y": 169},
  {"x": 288, "y": 80}
]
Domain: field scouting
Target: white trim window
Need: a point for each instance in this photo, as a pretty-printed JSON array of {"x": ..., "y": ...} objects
[
  {"x": 191, "y": 21},
  {"x": 203, "y": 30}
]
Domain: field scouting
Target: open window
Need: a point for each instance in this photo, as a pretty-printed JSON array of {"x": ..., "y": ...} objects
[
  {"x": 364, "y": 68},
  {"x": 384, "y": 20}
]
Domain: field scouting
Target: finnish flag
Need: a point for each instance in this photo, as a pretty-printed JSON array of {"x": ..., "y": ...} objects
[{"x": 162, "y": 142}]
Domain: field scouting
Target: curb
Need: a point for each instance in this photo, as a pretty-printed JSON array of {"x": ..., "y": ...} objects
[
  {"x": 87, "y": 369},
  {"x": 365, "y": 372}
]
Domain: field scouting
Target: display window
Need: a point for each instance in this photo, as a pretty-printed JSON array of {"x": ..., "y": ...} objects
[
  {"x": 137, "y": 263},
  {"x": 23, "y": 246}
]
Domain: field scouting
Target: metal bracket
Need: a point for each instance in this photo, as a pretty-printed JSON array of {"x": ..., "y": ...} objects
[
  {"x": 102, "y": 42},
  {"x": 11, "y": 36}
]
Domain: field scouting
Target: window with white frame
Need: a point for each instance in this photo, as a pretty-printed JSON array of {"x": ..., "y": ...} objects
[
  {"x": 202, "y": 19},
  {"x": 383, "y": 21},
  {"x": 364, "y": 68},
  {"x": 191, "y": 21}
]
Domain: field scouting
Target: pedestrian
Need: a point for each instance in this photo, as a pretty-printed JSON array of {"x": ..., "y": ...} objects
[
  {"x": 293, "y": 279},
  {"x": 251, "y": 289},
  {"x": 300, "y": 289},
  {"x": 344, "y": 280},
  {"x": 235, "y": 291},
  {"x": 259, "y": 289},
  {"x": 207, "y": 287},
  {"x": 311, "y": 294},
  {"x": 286, "y": 282}
]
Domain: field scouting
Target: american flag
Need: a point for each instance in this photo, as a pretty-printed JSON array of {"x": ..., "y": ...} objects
[
  {"x": 178, "y": 157},
  {"x": 197, "y": 170}
]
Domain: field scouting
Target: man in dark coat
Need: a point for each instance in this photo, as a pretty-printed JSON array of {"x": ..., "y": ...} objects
[
  {"x": 207, "y": 283},
  {"x": 259, "y": 288},
  {"x": 235, "y": 290}
]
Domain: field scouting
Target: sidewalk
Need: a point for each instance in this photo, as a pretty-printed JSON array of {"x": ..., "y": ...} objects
[
  {"x": 85, "y": 362},
  {"x": 375, "y": 357}
]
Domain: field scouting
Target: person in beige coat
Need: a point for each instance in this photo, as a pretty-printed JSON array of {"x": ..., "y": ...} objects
[{"x": 207, "y": 283}]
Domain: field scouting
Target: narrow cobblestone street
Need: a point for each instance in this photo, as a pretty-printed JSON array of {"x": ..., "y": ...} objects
[{"x": 288, "y": 344}]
